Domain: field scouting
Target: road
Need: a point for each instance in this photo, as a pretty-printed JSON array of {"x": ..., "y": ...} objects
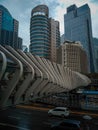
[
  {"x": 22, "y": 119},
  {"x": 34, "y": 118}
]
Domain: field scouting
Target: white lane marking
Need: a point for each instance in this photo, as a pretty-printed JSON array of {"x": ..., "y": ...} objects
[
  {"x": 26, "y": 113},
  {"x": 3, "y": 124},
  {"x": 14, "y": 126},
  {"x": 18, "y": 118},
  {"x": 47, "y": 123}
]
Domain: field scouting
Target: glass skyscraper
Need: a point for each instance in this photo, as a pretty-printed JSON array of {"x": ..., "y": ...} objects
[
  {"x": 77, "y": 27},
  {"x": 95, "y": 41},
  {"x": 39, "y": 32},
  {"x": 9, "y": 29}
]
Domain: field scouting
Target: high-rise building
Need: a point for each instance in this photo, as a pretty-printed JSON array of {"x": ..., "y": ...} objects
[
  {"x": 95, "y": 41},
  {"x": 20, "y": 43},
  {"x": 39, "y": 32},
  {"x": 54, "y": 38},
  {"x": 9, "y": 29},
  {"x": 57, "y": 34},
  {"x": 62, "y": 39},
  {"x": 77, "y": 27},
  {"x": 72, "y": 55},
  {"x": 44, "y": 33}
]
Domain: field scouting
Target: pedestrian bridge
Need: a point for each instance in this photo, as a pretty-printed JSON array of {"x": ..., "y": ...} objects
[{"x": 23, "y": 75}]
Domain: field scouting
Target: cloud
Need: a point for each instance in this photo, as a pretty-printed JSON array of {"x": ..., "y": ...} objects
[
  {"x": 94, "y": 1},
  {"x": 21, "y": 11}
]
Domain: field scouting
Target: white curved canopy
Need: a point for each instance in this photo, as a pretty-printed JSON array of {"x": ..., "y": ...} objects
[{"x": 34, "y": 76}]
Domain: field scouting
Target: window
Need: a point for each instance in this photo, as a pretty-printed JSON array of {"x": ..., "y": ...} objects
[{"x": 59, "y": 110}]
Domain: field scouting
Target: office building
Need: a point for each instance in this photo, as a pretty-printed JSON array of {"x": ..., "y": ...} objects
[
  {"x": 78, "y": 27},
  {"x": 73, "y": 56},
  {"x": 95, "y": 41},
  {"x": 62, "y": 39},
  {"x": 9, "y": 29},
  {"x": 44, "y": 33},
  {"x": 39, "y": 32},
  {"x": 54, "y": 38}
]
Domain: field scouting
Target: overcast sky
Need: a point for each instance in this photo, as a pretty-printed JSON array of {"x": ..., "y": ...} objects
[{"x": 21, "y": 11}]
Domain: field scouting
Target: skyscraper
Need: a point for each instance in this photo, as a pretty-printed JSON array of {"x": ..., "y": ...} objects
[
  {"x": 39, "y": 32},
  {"x": 44, "y": 33},
  {"x": 62, "y": 39},
  {"x": 77, "y": 27},
  {"x": 54, "y": 38},
  {"x": 95, "y": 41},
  {"x": 9, "y": 29}
]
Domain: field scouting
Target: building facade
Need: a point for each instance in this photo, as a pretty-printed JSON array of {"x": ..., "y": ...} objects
[
  {"x": 73, "y": 56},
  {"x": 39, "y": 32},
  {"x": 44, "y": 33},
  {"x": 62, "y": 39},
  {"x": 95, "y": 41},
  {"x": 77, "y": 27},
  {"x": 54, "y": 38},
  {"x": 9, "y": 29}
]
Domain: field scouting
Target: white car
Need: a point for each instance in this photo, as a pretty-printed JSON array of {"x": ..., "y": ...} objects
[{"x": 59, "y": 111}]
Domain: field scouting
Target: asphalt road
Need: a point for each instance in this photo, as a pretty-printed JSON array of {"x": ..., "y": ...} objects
[{"x": 34, "y": 118}]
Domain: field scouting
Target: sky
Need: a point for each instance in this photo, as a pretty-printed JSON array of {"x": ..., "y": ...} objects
[{"x": 21, "y": 11}]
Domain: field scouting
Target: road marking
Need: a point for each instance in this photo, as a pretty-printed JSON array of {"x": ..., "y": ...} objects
[
  {"x": 14, "y": 126},
  {"x": 47, "y": 123},
  {"x": 50, "y": 121},
  {"x": 3, "y": 124},
  {"x": 18, "y": 118}
]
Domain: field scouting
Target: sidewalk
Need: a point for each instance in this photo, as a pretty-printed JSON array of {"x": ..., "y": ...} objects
[{"x": 84, "y": 110}]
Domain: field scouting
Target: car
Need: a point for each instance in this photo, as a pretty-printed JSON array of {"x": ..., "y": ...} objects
[
  {"x": 59, "y": 111},
  {"x": 67, "y": 124}
]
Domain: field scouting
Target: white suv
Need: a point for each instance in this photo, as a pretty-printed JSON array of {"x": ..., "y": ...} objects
[{"x": 59, "y": 111}]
